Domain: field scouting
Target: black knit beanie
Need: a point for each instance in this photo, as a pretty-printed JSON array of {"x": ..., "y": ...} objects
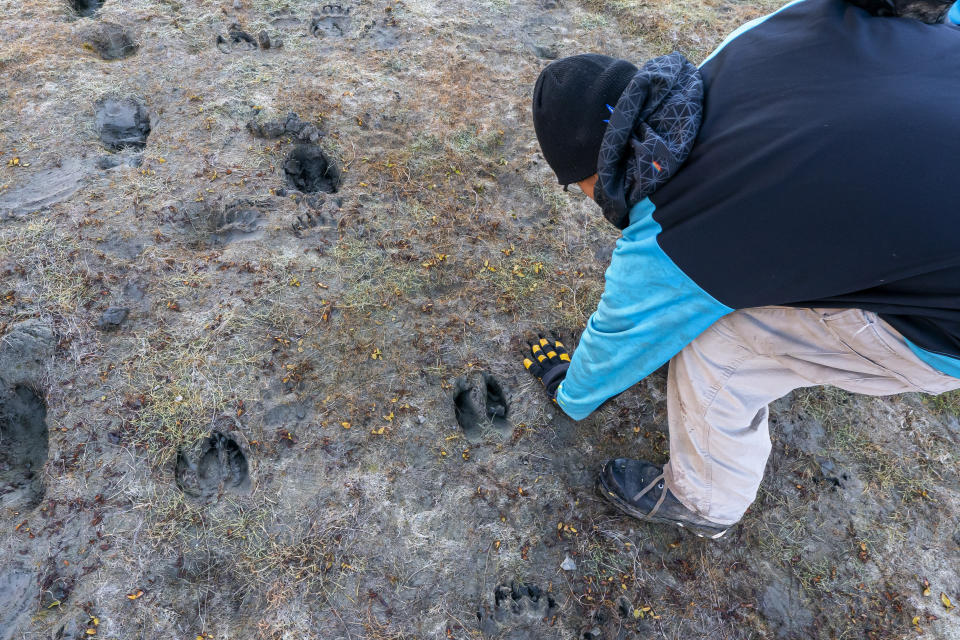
[{"x": 570, "y": 109}]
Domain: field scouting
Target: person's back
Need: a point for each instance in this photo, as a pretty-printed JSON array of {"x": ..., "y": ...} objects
[
  {"x": 829, "y": 143},
  {"x": 806, "y": 235}
]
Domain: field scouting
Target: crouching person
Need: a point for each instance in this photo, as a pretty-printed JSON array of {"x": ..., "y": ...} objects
[{"x": 788, "y": 220}]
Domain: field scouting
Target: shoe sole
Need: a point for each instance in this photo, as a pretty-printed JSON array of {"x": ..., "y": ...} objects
[{"x": 625, "y": 507}]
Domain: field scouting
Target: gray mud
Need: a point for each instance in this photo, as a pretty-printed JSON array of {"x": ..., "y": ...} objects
[
  {"x": 517, "y": 612},
  {"x": 291, "y": 126},
  {"x": 308, "y": 169},
  {"x": 238, "y": 222},
  {"x": 122, "y": 123},
  {"x": 26, "y": 350},
  {"x": 110, "y": 41},
  {"x": 331, "y": 21},
  {"x": 218, "y": 465},
  {"x": 481, "y": 407},
  {"x": 86, "y": 8},
  {"x": 18, "y": 599},
  {"x": 112, "y": 318},
  {"x": 42, "y": 189},
  {"x": 237, "y": 40},
  {"x": 23, "y": 447}
]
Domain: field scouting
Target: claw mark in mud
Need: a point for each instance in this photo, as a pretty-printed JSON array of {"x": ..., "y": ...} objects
[
  {"x": 516, "y": 605},
  {"x": 307, "y": 221},
  {"x": 309, "y": 170},
  {"x": 86, "y": 8},
  {"x": 237, "y": 40},
  {"x": 122, "y": 123},
  {"x": 110, "y": 41},
  {"x": 23, "y": 447},
  {"x": 238, "y": 222},
  {"x": 220, "y": 465},
  {"x": 383, "y": 34},
  {"x": 496, "y": 402},
  {"x": 319, "y": 213},
  {"x": 285, "y": 19},
  {"x": 466, "y": 411},
  {"x": 332, "y": 20}
]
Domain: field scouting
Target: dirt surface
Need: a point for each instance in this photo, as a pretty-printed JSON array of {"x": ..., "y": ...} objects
[{"x": 311, "y": 419}]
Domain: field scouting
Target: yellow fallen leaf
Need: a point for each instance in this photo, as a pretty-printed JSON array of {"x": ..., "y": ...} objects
[{"x": 946, "y": 601}]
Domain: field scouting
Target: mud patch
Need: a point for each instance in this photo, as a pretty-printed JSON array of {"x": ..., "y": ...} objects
[
  {"x": 291, "y": 126},
  {"x": 516, "y": 606},
  {"x": 465, "y": 410},
  {"x": 308, "y": 169},
  {"x": 782, "y": 605},
  {"x": 384, "y": 33},
  {"x": 496, "y": 402},
  {"x": 468, "y": 395},
  {"x": 25, "y": 351},
  {"x": 42, "y": 189},
  {"x": 23, "y": 447},
  {"x": 236, "y": 40},
  {"x": 122, "y": 123},
  {"x": 320, "y": 215},
  {"x": 332, "y": 21},
  {"x": 217, "y": 465},
  {"x": 107, "y": 162},
  {"x": 285, "y": 19},
  {"x": 86, "y": 8},
  {"x": 110, "y": 41},
  {"x": 112, "y": 318},
  {"x": 238, "y": 222},
  {"x": 18, "y": 600}
]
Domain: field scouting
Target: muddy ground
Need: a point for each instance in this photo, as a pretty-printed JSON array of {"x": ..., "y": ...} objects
[{"x": 234, "y": 343}]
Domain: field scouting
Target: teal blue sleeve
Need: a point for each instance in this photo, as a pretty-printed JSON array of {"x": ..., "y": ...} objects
[
  {"x": 649, "y": 311},
  {"x": 940, "y": 362}
]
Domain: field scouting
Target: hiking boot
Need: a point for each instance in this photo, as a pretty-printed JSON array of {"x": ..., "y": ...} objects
[{"x": 636, "y": 488}]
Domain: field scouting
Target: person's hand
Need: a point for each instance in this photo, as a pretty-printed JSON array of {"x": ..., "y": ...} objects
[{"x": 548, "y": 361}]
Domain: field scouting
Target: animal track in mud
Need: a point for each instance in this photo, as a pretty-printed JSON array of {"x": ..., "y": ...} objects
[
  {"x": 466, "y": 411},
  {"x": 308, "y": 169},
  {"x": 516, "y": 605},
  {"x": 122, "y": 123},
  {"x": 496, "y": 402},
  {"x": 218, "y": 465},
  {"x": 292, "y": 126},
  {"x": 45, "y": 187},
  {"x": 110, "y": 41},
  {"x": 239, "y": 40},
  {"x": 86, "y": 8},
  {"x": 383, "y": 33},
  {"x": 466, "y": 396},
  {"x": 331, "y": 21},
  {"x": 237, "y": 222},
  {"x": 23, "y": 446},
  {"x": 320, "y": 213}
]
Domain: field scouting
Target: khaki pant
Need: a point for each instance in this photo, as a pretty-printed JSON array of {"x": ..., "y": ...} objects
[{"x": 720, "y": 384}]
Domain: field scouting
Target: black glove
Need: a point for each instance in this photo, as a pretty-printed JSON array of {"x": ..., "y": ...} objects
[{"x": 549, "y": 363}]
